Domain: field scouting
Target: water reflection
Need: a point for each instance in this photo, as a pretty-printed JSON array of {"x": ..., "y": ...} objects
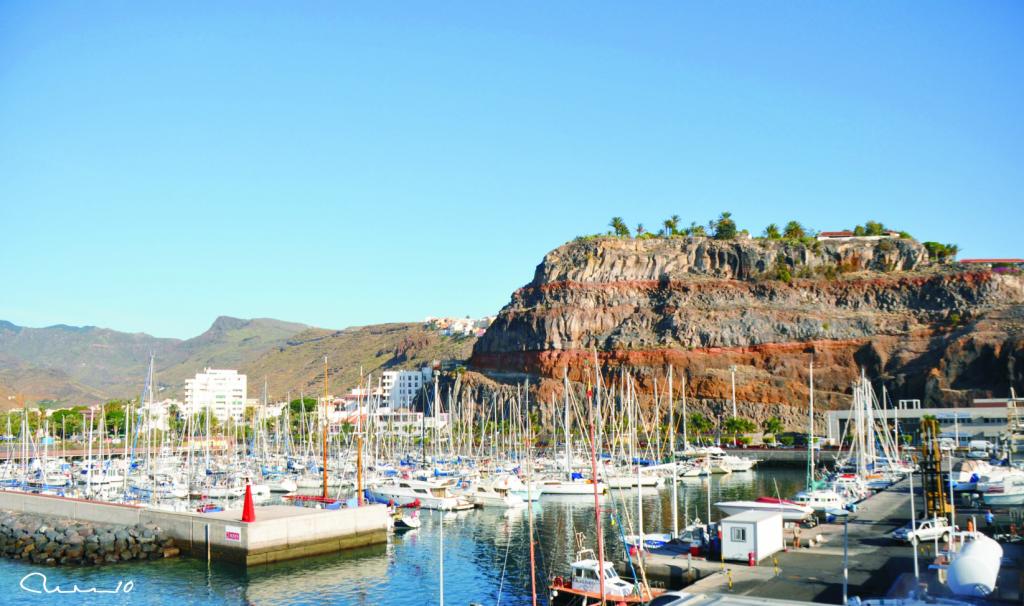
[{"x": 486, "y": 555}]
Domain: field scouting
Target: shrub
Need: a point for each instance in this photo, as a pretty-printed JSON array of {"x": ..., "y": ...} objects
[
  {"x": 787, "y": 440},
  {"x": 782, "y": 273}
]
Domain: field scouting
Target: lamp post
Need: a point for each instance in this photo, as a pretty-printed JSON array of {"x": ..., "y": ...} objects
[
  {"x": 732, "y": 370},
  {"x": 845, "y": 515}
]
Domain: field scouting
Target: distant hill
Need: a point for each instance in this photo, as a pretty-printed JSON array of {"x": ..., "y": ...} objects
[
  {"x": 298, "y": 365},
  {"x": 87, "y": 364},
  {"x": 83, "y": 365}
]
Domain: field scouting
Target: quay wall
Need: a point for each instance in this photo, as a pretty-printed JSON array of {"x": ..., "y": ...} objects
[{"x": 288, "y": 532}]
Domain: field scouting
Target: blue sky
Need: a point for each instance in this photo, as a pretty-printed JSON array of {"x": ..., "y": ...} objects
[{"x": 339, "y": 165}]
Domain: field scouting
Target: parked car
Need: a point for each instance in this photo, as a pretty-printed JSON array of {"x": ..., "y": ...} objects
[{"x": 927, "y": 530}]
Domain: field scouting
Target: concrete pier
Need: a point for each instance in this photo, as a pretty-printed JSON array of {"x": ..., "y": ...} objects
[
  {"x": 879, "y": 566},
  {"x": 279, "y": 533}
]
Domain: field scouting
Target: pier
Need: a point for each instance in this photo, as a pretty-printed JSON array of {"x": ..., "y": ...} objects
[
  {"x": 879, "y": 567},
  {"x": 279, "y": 533}
]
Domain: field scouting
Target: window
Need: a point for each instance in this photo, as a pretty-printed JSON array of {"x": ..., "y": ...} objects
[{"x": 739, "y": 535}]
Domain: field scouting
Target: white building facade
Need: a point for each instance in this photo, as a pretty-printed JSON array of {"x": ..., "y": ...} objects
[
  {"x": 399, "y": 387},
  {"x": 223, "y": 392}
]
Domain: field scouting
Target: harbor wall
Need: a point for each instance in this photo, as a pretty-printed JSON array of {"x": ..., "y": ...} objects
[{"x": 286, "y": 533}]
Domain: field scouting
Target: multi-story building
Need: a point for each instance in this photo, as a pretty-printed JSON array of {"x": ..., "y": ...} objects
[
  {"x": 399, "y": 387},
  {"x": 223, "y": 392}
]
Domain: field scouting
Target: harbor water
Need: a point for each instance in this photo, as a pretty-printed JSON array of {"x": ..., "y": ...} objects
[{"x": 486, "y": 556}]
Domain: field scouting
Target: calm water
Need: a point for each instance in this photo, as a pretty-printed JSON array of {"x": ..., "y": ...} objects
[{"x": 486, "y": 557}]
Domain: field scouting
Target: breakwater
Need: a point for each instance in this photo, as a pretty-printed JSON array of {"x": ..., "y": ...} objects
[{"x": 57, "y": 541}]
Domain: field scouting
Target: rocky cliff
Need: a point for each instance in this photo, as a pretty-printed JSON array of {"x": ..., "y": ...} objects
[{"x": 941, "y": 334}]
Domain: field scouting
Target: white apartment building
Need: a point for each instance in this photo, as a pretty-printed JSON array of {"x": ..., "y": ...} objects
[
  {"x": 221, "y": 391},
  {"x": 399, "y": 387}
]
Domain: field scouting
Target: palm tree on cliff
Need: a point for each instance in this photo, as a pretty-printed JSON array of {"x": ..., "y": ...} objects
[
  {"x": 671, "y": 225},
  {"x": 772, "y": 232},
  {"x": 619, "y": 227},
  {"x": 794, "y": 231}
]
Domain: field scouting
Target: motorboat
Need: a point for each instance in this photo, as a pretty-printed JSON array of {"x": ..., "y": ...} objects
[
  {"x": 494, "y": 492},
  {"x": 1008, "y": 492},
  {"x": 820, "y": 500},
  {"x": 281, "y": 483},
  {"x": 651, "y": 540},
  {"x": 577, "y": 485},
  {"x": 430, "y": 495},
  {"x": 585, "y": 581},
  {"x": 791, "y": 510}
]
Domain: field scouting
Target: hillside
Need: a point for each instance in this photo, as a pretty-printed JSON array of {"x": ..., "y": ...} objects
[
  {"x": 939, "y": 333},
  {"x": 88, "y": 364},
  {"x": 82, "y": 365},
  {"x": 298, "y": 365}
]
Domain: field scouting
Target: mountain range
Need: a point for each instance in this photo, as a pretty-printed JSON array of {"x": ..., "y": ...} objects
[{"x": 86, "y": 364}]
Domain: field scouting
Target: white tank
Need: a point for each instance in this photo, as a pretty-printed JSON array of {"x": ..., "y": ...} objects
[{"x": 974, "y": 571}]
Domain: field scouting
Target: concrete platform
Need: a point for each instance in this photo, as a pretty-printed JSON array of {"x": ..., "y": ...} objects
[
  {"x": 279, "y": 533},
  {"x": 812, "y": 574}
]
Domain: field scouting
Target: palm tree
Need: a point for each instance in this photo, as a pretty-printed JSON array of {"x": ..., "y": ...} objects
[
  {"x": 738, "y": 425},
  {"x": 671, "y": 225},
  {"x": 773, "y": 426},
  {"x": 619, "y": 227},
  {"x": 794, "y": 231},
  {"x": 772, "y": 232},
  {"x": 640, "y": 229},
  {"x": 695, "y": 230}
]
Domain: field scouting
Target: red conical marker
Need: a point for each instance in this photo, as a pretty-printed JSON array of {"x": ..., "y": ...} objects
[{"x": 249, "y": 509}]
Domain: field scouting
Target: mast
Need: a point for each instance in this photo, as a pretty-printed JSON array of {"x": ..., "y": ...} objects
[
  {"x": 359, "y": 441},
  {"x": 686, "y": 440},
  {"x": 568, "y": 450},
  {"x": 597, "y": 499},
  {"x": 325, "y": 429},
  {"x": 810, "y": 431},
  {"x": 672, "y": 452},
  {"x": 529, "y": 494}
]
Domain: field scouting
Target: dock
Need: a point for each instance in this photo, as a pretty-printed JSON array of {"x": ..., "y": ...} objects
[
  {"x": 279, "y": 533},
  {"x": 879, "y": 567}
]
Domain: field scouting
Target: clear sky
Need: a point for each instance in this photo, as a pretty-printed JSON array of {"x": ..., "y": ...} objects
[{"x": 165, "y": 163}]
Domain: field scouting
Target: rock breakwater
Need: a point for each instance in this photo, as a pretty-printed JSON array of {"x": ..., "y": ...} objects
[{"x": 64, "y": 542}]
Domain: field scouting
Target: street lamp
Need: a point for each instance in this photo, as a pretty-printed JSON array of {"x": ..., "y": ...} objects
[
  {"x": 845, "y": 515},
  {"x": 732, "y": 369}
]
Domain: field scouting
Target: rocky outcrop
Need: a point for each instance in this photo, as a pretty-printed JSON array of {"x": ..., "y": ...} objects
[{"x": 937, "y": 333}]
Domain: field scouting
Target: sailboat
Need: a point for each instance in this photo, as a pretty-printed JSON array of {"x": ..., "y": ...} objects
[{"x": 818, "y": 496}]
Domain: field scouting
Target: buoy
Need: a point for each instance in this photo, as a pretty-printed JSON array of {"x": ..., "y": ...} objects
[{"x": 249, "y": 509}]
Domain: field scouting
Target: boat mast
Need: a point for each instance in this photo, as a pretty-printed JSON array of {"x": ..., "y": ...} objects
[
  {"x": 672, "y": 452},
  {"x": 529, "y": 494},
  {"x": 597, "y": 499},
  {"x": 325, "y": 430},
  {"x": 810, "y": 431},
  {"x": 568, "y": 450},
  {"x": 359, "y": 440}
]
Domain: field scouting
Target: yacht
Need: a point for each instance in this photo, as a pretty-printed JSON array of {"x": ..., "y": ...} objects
[{"x": 430, "y": 495}]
